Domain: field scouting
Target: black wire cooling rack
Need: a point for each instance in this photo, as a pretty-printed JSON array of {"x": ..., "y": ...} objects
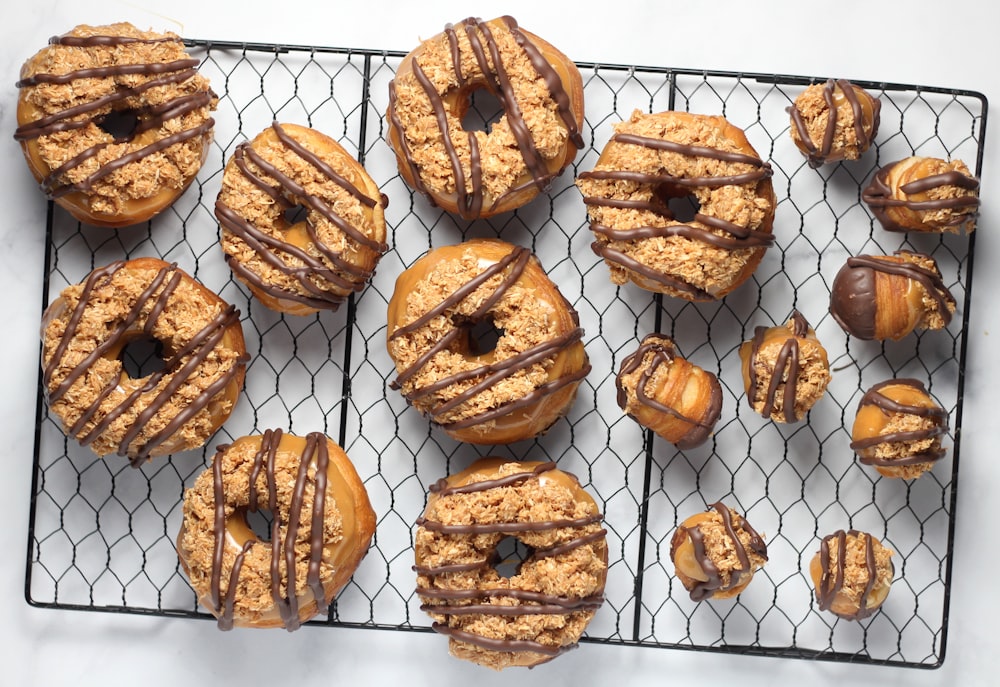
[{"x": 101, "y": 534}]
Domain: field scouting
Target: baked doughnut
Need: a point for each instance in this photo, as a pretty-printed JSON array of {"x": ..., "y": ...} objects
[
  {"x": 321, "y": 526},
  {"x": 114, "y": 122},
  {"x": 852, "y": 573},
  {"x": 785, "y": 370},
  {"x": 888, "y": 296},
  {"x": 671, "y": 396},
  {"x": 513, "y": 392},
  {"x": 898, "y": 429},
  {"x": 716, "y": 553},
  {"x": 924, "y": 194},
  {"x": 314, "y": 263},
  {"x": 539, "y": 611},
  {"x": 85, "y": 331},
  {"x": 478, "y": 173},
  {"x": 834, "y": 121},
  {"x": 652, "y": 158}
]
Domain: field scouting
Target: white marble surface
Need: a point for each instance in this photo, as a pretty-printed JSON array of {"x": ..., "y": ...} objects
[{"x": 915, "y": 44}]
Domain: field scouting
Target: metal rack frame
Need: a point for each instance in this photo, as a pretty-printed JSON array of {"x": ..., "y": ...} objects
[{"x": 101, "y": 534}]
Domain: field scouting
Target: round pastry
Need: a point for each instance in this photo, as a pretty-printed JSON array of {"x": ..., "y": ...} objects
[
  {"x": 652, "y": 158},
  {"x": 785, "y": 370},
  {"x": 716, "y": 553},
  {"x": 539, "y": 611},
  {"x": 177, "y": 408},
  {"x": 888, "y": 296},
  {"x": 898, "y": 429},
  {"x": 114, "y": 122},
  {"x": 514, "y": 391},
  {"x": 671, "y": 396},
  {"x": 834, "y": 121},
  {"x": 321, "y": 526},
  {"x": 313, "y": 262},
  {"x": 924, "y": 194},
  {"x": 852, "y": 573},
  {"x": 480, "y": 173}
]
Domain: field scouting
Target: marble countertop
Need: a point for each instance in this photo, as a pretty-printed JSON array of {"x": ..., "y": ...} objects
[{"x": 868, "y": 41}]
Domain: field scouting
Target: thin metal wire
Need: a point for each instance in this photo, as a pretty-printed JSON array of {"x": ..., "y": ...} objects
[{"x": 101, "y": 535}]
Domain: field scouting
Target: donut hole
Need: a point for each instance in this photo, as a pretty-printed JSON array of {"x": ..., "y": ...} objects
[
  {"x": 295, "y": 214},
  {"x": 142, "y": 357},
  {"x": 511, "y": 554},
  {"x": 260, "y": 522},
  {"x": 682, "y": 204},
  {"x": 119, "y": 124},
  {"x": 482, "y": 335},
  {"x": 481, "y": 110}
]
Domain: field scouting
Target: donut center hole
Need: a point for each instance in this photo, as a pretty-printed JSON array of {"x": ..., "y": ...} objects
[
  {"x": 482, "y": 335},
  {"x": 484, "y": 110},
  {"x": 119, "y": 124},
  {"x": 142, "y": 357},
  {"x": 260, "y": 521},
  {"x": 511, "y": 553},
  {"x": 683, "y": 208},
  {"x": 295, "y": 214}
]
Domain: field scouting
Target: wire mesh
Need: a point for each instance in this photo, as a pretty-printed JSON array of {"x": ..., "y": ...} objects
[{"x": 101, "y": 533}]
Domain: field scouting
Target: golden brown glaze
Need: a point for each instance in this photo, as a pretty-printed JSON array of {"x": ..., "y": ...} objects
[
  {"x": 785, "y": 370},
  {"x": 114, "y": 122},
  {"x": 652, "y": 158},
  {"x": 541, "y": 610},
  {"x": 662, "y": 391},
  {"x": 512, "y": 392},
  {"x": 852, "y": 573},
  {"x": 834, "y": 121},
  {"x": 478, "y": 173},
  {"x": 898, "y": 429},
  {"x": 716, "y": 553},
  {"x": 313, "y": 263},
  {"x": 924, "y": 194},
  {"x": 84, "y": 332},
  {"x": 322, "y": 525}
]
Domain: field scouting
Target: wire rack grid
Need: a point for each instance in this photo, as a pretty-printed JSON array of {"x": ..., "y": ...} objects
[{"x": 101, "y": 535}]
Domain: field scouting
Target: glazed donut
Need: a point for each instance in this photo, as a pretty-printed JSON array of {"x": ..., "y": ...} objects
[
  {"x": 654, "y": 157},
  {"x": 716, "y": 553},
  {"x": 322, "y": 524},
  {"x": 542, "y": 609},
  {"x": 315, "y": 263},
  {"x": 888, "y": 296},
  {"x": 852, "y": 573},
  {"x": 834, "y": 121},
  {"x": 86, "y": 329},
  {"x": 513, "y": 392},
  {"x": 898, "y": 429},
  {"x": 477, "y": 173},
  {"x": 924, "y": 194},
  {"x": 662, "y": 391},
  {"x": 785, "y": 370},
  {"x": 114, "y": 122}
]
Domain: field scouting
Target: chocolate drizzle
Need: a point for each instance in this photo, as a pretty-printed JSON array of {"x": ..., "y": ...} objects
[
  {"x": 817, "y": 156},
  {"x": 158, "y": 389},
  {"x": 316, "y": 455},
  {"x": 785, "y": 373},
  {"x": 939, "y": 417},
  {"x": 879, "y": 196},
  {"x": 455, "y": 602},
  {"x": 702, "y": 590},
  {"x": 344, "y": 276},
  {"x": 467, "y": 169},
  {"x": 853, "y": 301},
  {"x": 709, "y": 229},
  {"x": 832, "y": 578},
  {"x": 123, "y": 98},
  {"x": 510, "y": 268},
  {"x": 663, "y": 355}
]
